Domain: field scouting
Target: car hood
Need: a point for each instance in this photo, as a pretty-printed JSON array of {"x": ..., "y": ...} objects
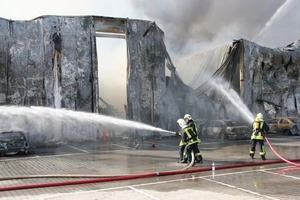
[{"x": 239, "y": 127}]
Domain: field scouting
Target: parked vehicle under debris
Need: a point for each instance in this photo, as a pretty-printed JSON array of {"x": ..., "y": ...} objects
[
  {"x": 284, "y": 125},
  {"x": 225, "y": 129},
  {"x": 13, "y": 142}
]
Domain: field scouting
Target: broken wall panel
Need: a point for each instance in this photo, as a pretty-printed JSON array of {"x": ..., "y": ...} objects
[
  {"x": 140, "y": 76},
  {"x": 272, "y": 78},
  {"x": 85, "y": 71},
  {"x": 52, "y": 60},
  {"x": 34, "y": 64},
  {"x": 147, "y": 89},
  {"x": 17, "y": 71},
  {"x": 4, "y": 35},
  {"x": 69, "y": 66}
]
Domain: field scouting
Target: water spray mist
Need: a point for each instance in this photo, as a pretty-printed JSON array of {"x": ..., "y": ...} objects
[
  {"x": 233, "y": 97},
  {"x": 44, "y": 124}
]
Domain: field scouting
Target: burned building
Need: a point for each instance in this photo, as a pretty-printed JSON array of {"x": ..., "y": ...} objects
[{"x": 51, "y": 61}]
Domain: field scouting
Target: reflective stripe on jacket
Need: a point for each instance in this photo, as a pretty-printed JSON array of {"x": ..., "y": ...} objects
[
  {"x": 192, "y": 124},
  {"x": 189, "y": 136},
  {"x": 181, "y": 143}
]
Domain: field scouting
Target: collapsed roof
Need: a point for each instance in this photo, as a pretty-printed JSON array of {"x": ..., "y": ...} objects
[{"x": 265, "y": 79}]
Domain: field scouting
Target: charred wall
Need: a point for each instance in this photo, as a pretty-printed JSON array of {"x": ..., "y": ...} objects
[
  {"x": 51, "y": 61},
  {"x": 47, "y": 63}
]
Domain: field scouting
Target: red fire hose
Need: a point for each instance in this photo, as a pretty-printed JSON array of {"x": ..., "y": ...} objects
[
  {"x": 279, "y": 156},
  {"x": 137, "y": 176}
]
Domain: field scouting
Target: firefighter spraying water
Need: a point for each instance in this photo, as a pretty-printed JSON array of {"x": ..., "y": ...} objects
[
  {"x": 189, "y": 141},
  {"x": 260, "y": 128},
  {"x": 190, "y": 122}
]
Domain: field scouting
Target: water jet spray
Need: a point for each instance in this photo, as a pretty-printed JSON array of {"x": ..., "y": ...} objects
[
  {"x": 233, "y": 97},
  {"x": 44, "y": 124}
]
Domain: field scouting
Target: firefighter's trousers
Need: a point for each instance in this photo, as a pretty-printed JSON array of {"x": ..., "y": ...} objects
[
  {"x": 182, "y": 152},
  {"x": 262, "y": 147},
  {"x": 191, "y": 147}
]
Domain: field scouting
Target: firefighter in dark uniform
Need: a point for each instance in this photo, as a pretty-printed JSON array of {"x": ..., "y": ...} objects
[
  {"x": 259, "y": 129},
  {"x": 188, "y": 136},
  {"x": 190, "y": 122}
]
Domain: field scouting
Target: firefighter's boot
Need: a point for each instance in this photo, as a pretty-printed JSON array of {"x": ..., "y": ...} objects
[
  {"x": 199, "y": 159},
  {"x": 184, "y": 161}
]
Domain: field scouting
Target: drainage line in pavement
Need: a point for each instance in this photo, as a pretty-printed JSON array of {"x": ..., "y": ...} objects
[
  {"x": 279, "y": 156},
  {"x": 138, "y": 176}
]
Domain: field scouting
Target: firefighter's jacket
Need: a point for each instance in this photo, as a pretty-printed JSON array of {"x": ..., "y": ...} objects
[
  {"x": 192, "y": 124},
  {"x": 259, "y": 129},
  {"x": 188, "y": 135},
  {"x": 181, "y": 143}
]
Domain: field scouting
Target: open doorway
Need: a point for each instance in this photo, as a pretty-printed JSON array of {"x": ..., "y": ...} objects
[{"x": 112, "y": 74}]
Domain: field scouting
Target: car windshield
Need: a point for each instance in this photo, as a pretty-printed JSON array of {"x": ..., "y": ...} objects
[
  {"x": 229, "y": 123},
  {"x": 273, "y": 121},
  {"x": 9, "y": 136},
  {"x": 293, "y": 120}
]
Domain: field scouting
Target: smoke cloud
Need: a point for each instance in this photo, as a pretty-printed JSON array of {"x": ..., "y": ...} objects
[{"x": 196, "y": 25}]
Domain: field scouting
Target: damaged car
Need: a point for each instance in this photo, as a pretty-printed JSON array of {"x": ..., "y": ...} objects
[
  {"x": 13, "y": 142},
  {"x": 226, "y": 130},
  {"x": 284, "y": 125}
]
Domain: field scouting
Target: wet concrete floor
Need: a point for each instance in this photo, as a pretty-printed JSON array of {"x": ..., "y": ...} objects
[{"x": 91, "y": 170}]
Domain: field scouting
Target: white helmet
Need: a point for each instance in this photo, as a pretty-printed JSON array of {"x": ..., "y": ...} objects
[
  {"x": 260, "y": 116},
  {"x": 187, "y": 116},
  {"x": 181, "y": 122}
]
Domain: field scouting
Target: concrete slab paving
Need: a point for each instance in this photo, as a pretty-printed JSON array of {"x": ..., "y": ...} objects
[{"x": 91, "y": 162}]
